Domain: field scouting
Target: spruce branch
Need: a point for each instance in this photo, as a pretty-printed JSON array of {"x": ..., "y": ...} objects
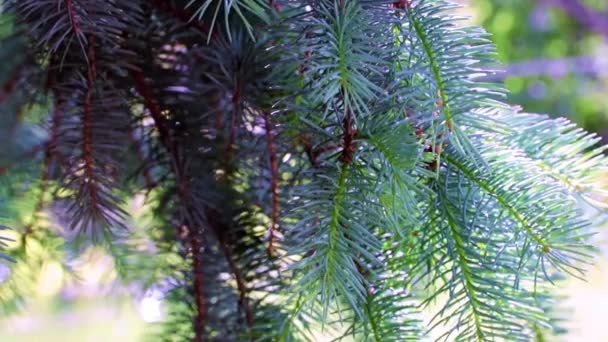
[{"x": 274, "y": 181}]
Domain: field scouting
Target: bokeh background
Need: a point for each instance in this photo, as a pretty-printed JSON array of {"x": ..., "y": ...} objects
[{"x": 555, "y": 61}]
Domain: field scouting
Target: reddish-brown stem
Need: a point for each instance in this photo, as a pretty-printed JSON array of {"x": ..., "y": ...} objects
[
  {"x": 313, "y": 152},
  {"x": 240, "y": 283},
  {"x": 401, "y": 4},
  {"x": 9, "y": 87},
  {"x": 274, "y": 182},
  {"x": 307, "y": 54},
  {"x": 72, "y": 15},
  {"x": 236, "y": 111},
  {"x": 220, "y": 230},
  {"x": 154, "y": 108},
  {"x": 348, "y": 139},
  {"x": 165, "y": 136},
  {"x": 87, "y": 122}
]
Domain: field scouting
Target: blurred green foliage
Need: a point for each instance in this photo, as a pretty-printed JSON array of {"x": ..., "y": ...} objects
[{"x": 531, "y": 32}]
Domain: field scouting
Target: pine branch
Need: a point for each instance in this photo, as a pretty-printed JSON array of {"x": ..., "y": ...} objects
[{"x": 234, "y": 268}]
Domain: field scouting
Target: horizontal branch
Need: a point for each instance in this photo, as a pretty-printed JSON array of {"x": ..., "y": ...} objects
[
  {"x": 594, "y": 66},
  {"x": 593, "y": 20}
]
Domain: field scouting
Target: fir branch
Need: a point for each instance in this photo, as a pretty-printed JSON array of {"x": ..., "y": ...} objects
[
  {"x": 274, "y": 182},
  {"x": 87, "y": 134},
  {"x": 155, "y": 111},
  {"x": 466, "y": 273},
  {"x": 292, "y": 125},
  {"x": 433, "y": 64},
  {"x": 234, "y": 268},
  {"x": 503, "y": 202},
  {"x": 74, "y": 22}
]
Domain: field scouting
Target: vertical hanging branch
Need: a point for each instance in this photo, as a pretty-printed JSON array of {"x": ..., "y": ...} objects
[
  {"x": 168, "y": 142},
  {"x": 234, "y": 120},
  {"x": 87, "y": 132},
  {"x": 348, "y": 139},
  {"x": 274, "y": 182},
  {"x": 220, "y": 231},
  {"x": 69, "y": 4},
  {"x": 159, "y": 120}
]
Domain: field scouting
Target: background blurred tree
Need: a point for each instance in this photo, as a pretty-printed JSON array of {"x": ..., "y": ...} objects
[{"x": 555, "y": 55}]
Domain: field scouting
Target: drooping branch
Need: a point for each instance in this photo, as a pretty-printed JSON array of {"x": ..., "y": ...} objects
[
  {"x": 154, "y": 108},
  {"x": 87, "y": 124},
  {"x": 220, "y": 231},
  {"x": 74, "y": 23},
  {"x": 198, "y": 284},
  {"x": 191, "y": 228},
  {"x": 274, "y": 182}
]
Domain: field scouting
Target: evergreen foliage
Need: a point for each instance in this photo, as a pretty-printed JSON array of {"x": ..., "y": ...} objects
[{"x": 308, "y": 166}]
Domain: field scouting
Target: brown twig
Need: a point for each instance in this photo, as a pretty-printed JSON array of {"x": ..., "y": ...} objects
[
  {"x": 74, "y": 23},
  {"x": 87, "y": 123},
  {"x": 220, "y": 232},
  {"x": 236, "y": 107},
  {"x": 348, "y": 139},
  {"x": 168, "y": 143},
  {"x": 9, "y": 86},
  {"x": 150, "y": 102},
  {"x": 199, "y": 281},
  {"x": 274, "y": 182}
]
